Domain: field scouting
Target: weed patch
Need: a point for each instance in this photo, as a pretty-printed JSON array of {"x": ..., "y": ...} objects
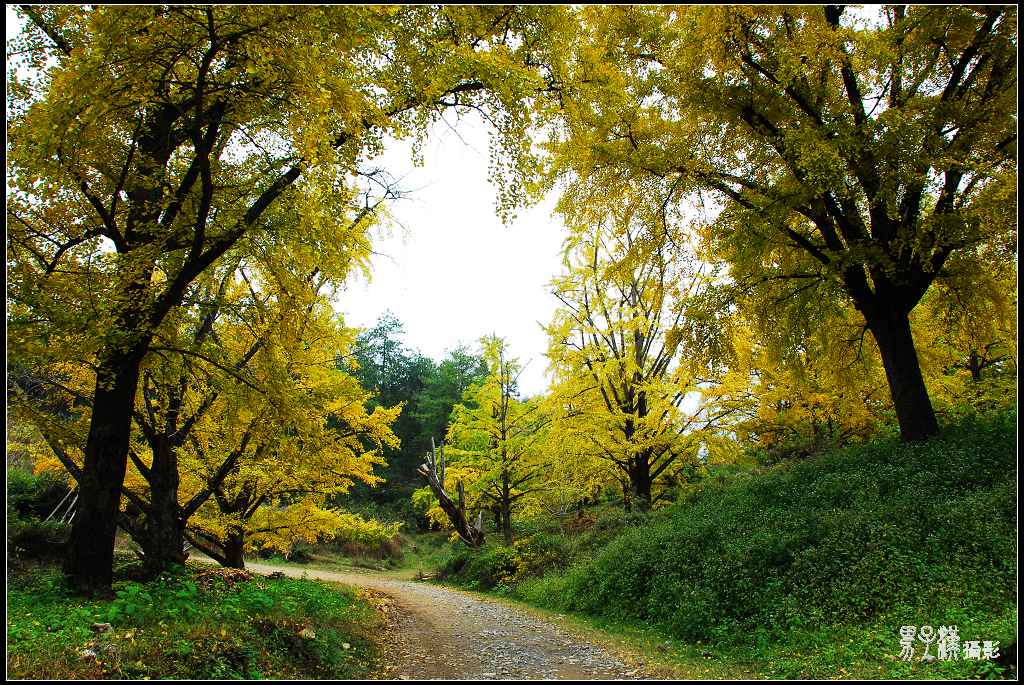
[{"x": 197, "y": 625}]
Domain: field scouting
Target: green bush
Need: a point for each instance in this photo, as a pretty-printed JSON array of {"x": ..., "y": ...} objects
[
  {"x": 610, "y": 523},
  {"x": 30, "y": 538},
  {"x": 495, "y": 565},
  {"x": 492, "y": 566},
  {"x": 845, "y": 537},
  {"x": 542, "y": 553},
  {"x": 30, "y": 495}
]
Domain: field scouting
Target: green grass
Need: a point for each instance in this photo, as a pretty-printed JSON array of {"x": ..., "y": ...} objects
[
  {"x": 804, "y": 569},
  {"x": 193, "y": 626},
  {"x": 419, "y": 555},
  {"x": 857, "y": 652}
]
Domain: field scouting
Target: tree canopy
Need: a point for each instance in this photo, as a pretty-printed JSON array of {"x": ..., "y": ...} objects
[
  {"x": 785, "y": 228},
  {"x": 839, "y": 156},
  {"x": 148, "y": 142}
]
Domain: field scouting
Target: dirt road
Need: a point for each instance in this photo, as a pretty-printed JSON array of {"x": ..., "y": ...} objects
[{"x": 436, "y": 632}]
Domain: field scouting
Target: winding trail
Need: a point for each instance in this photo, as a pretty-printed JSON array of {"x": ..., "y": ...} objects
[{"x": 438, "y": 632}]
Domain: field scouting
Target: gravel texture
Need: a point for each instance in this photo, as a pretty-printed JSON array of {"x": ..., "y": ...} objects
[{"x": 437, "y": 632}]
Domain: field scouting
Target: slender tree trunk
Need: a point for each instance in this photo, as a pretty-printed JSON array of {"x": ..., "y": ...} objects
[
  {"x": 164, "y": 535},
  {"x": 903, "y": 371},
  {"x": 974, "y": 363},
  {"x": 506, "y": 510},
  {"x": 506, "y": 523},
  {"x": 90, "y": 560}
]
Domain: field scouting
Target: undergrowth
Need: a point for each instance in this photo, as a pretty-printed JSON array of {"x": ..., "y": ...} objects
[
  {"x": 203, "y": 624},
  {"x": 806, "y": 567}
]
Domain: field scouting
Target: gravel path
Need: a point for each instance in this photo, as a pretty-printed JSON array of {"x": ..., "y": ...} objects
[{"x": 436, "y": 632}]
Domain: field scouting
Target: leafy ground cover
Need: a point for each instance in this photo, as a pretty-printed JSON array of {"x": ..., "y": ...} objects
[
  {"x": 205, "y": 623},
  {"x": 805, "y": 569},
  {"x": 411, "y": 556}
]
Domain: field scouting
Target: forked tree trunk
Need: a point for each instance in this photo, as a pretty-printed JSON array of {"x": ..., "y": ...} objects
[
  {"x": 163, "y": 540},
  {"x": 433, "y": 471},
  {"x": 90, "y": 562}
]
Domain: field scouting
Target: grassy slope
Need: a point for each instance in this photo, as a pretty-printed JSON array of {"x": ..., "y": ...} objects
[
  {"x": 810, "y": 568},
  {"x": 419, "y": 555},
  {"x": 197, "y": 626}
]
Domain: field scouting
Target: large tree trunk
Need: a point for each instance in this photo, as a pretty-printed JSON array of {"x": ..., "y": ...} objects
[
  {"x": 164, "y": 536},
  {"x": 640, "y": 483},
  {"x": 234, "y": 548},
  {"x": 91, "y": 549},
  {"x": 90, "y": 562},
  {"x": 903, "y": 371}
]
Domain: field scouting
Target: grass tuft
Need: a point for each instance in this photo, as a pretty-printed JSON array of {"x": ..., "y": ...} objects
[{"x": 198, "y": 625}]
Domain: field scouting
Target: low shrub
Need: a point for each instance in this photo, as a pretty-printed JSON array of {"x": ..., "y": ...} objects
[
  {"x": 380, "y": 550},
  {"x": 500, "y": 566},
  {"x": 841, "y": 538},
  {"x": 32, "y": 539},
  {"x": 491, "y": 566},
  {"x": 32, "y": 495},
  {"x": 198, "y": 625},
  {"x": 541, "y": 553}
]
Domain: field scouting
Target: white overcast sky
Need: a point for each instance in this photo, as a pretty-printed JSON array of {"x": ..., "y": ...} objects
[{"x": 451, "y": 272}]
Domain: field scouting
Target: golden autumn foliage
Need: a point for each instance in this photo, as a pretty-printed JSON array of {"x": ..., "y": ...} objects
[
  {"x": 281, "y": 427},
  {"x": 145, "y": 143},
  {"x": 832, "y": 157},
  {"x": 494, "y": 443},
  {"x": 787, "y": 227},
  {"x": 634, "y": 346}
]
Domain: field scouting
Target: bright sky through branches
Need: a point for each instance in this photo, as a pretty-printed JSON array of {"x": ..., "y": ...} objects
[{"x": 451, "y": 272}]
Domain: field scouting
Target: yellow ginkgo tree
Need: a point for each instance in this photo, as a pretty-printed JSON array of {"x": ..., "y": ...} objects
[
  {"x": 632, "y": 346},
  {"x": 145, "y": 143},
  {"x": 837, "y": 157},
  {"x": 495, "y": 444},
  {"x": 254, "y": 403}
]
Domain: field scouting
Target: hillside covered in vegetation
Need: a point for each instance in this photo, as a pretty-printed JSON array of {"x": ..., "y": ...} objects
[{"x": 804, "y": 567}]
